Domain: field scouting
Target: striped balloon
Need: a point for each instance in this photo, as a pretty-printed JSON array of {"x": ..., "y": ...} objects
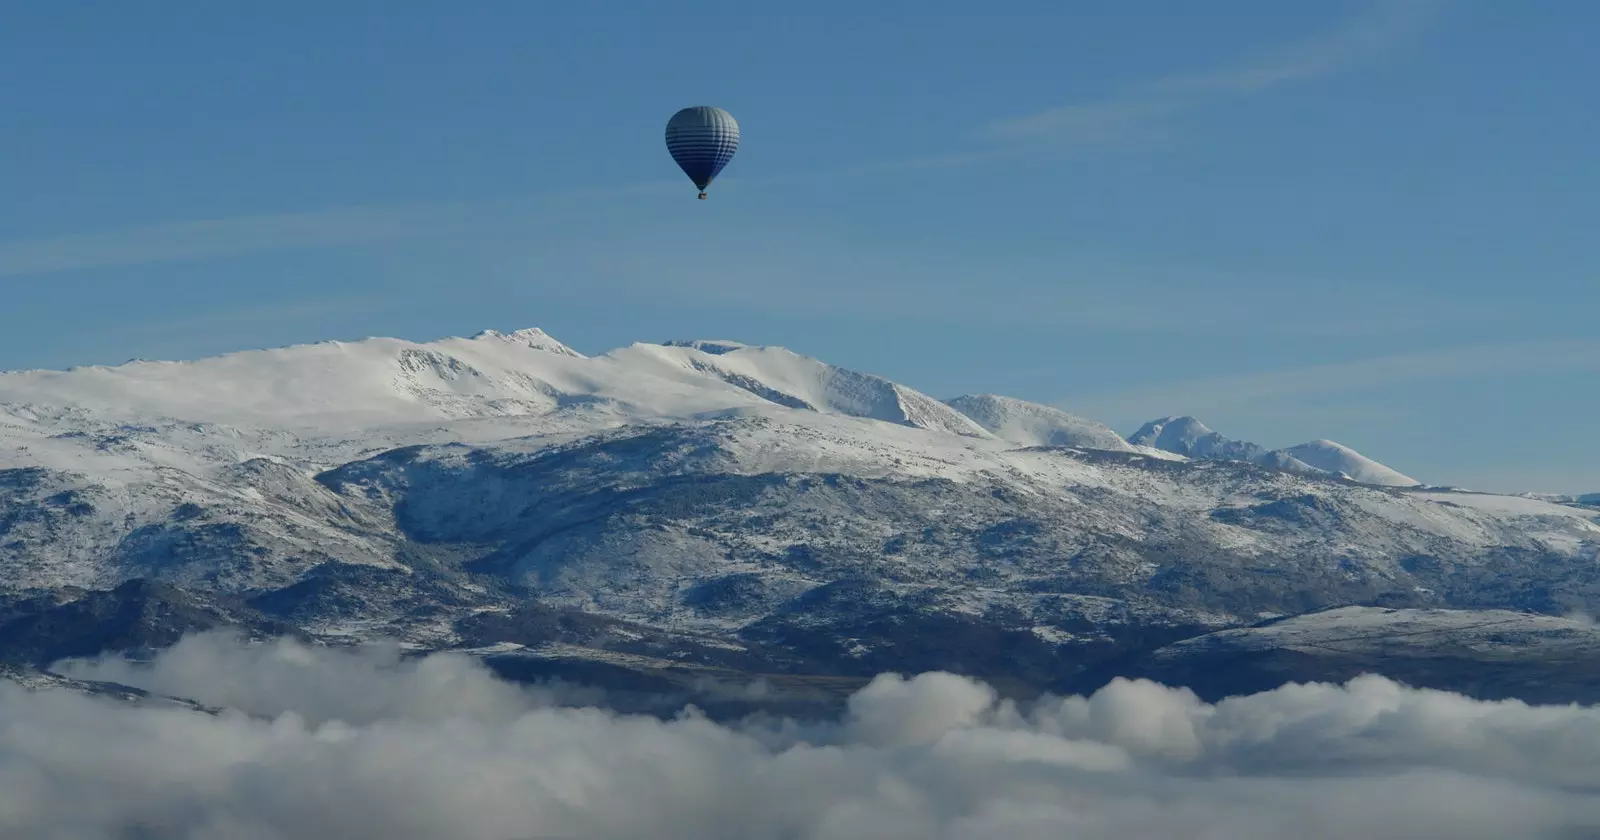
[{"x": 702, "y": 139}]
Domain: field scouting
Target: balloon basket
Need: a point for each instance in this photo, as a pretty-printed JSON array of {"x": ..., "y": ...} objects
[{"x": 702, "y": 196}]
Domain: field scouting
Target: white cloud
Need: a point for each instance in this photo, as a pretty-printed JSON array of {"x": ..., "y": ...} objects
[
  {"x": 347, "y": 746},
  {"x": 1095, "y": 122}
]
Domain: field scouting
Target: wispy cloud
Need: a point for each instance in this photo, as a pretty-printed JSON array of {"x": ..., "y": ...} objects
[
  {"x": 213, "y": 238},
  {"x": 1384, "y": 25},
  {"x": 220, "y": 237},
  {"x": 1548, "y": 356}
]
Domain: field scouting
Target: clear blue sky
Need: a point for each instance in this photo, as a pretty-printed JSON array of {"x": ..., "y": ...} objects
[{"x": 1371, "y": 222}]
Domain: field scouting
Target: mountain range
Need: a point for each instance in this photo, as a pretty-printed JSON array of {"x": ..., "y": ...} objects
[{"x": 664, "y": 514}]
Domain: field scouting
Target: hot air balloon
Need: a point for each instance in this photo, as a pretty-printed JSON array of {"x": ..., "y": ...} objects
[{"x": 702, "y": 139}]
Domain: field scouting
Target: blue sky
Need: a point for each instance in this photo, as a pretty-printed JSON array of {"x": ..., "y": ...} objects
[{"x": 1366, "y": 221}]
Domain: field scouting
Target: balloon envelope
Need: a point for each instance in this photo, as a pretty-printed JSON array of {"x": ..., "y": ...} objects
[{"x": 702, "y": 139}]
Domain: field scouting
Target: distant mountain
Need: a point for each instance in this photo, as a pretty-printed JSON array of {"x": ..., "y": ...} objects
[
  {"x": 702, "y": 505},
  {"x": 1190, "y": 438}
]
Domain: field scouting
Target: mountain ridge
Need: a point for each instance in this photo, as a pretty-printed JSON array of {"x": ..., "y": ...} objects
[{"x": 502, "y": 374}]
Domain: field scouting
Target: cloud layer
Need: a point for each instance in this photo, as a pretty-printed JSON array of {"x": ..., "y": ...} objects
[{"x": 332, "y": 744}]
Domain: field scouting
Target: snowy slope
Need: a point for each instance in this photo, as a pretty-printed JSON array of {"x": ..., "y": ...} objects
[
  {"x": 1031, "y": 424},
  {"x": 335, "y": 385},
  {"x": 788, "y": 379}
]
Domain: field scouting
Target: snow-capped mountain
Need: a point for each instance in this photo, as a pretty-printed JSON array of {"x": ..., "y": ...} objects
[
  {"x": 379, "y": 382},
  {"x": 1190, "y": 438},
  {"x": 734, "y": 506}
]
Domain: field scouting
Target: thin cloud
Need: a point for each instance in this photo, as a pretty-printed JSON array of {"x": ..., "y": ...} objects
[
  {"x": 1386, "y": 25},
  {"x": 335, "y": 745},
  {"x": 223, "y": 237},
  {"x": 212, "y": 238},
  {"x": 1549, "y": 356},
  {"x": 1096, "y": 122}
]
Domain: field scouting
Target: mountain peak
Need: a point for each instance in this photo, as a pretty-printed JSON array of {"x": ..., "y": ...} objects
[
  {"x": 1188, "y": 424},
  {"x": 532, "y": 337},
  {"x": 1184, "y": 435},
  {"x": 1176, "y": 424}
]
